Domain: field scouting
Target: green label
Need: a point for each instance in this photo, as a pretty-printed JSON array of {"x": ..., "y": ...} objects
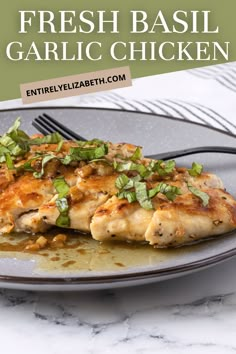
[{"x": 41, "y": 40}]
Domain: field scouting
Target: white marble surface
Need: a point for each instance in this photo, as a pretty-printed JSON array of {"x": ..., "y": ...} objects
[
  {"x": 193, "y": 314},
  {"x": 189, "y": 315}
]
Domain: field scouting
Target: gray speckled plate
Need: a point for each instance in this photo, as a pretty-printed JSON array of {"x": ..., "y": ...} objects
[{"x": 156, "y": 134}]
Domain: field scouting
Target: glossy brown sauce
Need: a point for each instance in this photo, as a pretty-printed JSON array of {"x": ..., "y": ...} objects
[{"x": 82, "y": 253}]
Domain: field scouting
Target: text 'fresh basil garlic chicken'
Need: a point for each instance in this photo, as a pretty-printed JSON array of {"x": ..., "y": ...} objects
[{"x": 108, "y": 190}]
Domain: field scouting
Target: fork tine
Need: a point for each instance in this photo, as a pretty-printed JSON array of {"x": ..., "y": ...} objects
[
  {"x": 63, "y": 128},
  {"x": 41, "y": 128},
  {"x": 47, "y": 125},
  {"x": 51, "y": 128}
]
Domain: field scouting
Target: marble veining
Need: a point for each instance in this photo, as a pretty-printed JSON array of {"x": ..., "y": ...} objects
[{"x": 190, "y": 314}]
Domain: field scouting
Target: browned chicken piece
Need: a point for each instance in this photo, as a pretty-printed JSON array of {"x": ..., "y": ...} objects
[
  {"x": 204, "y": 180},
  {"x": 24, "y": 195},
  {"x": 30, "y": 222},
  {"x": 121, "y": 220},
  {"x": 170, "y": 224},
  {"x": 118, "y": 219},
  {"x": 120, "y": 149},
  {"x": 186, "y": 220},
  {"x": 85, "y": 198},
  {"x": 28, "y": 203},
  {"x": 6, "y": 177}
]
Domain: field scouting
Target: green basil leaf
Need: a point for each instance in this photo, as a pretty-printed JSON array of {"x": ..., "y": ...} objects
[
  {"x": 19, "y": 136},
  {"x": 169, "y": 166},
  {"x": 86, "y": 153},
  {"x": 90, "y": 142},
  {"x": 169, "y": 191},
  {"x": 130, "y": 166},
  {"x": 3, "y": 152},
  {"x": 63, "y": 220},
  {"x": 68, "y": 159},
  {"x": 62, "y": 189},
  {"x": 161, "y": 167},
  {"x": 129, "y": 195},
  {"x": 124, "y": 182},
  {"x": 27, "y": 165},
  {"x": 15, "y": 133},
  {"x": 154, "y": 191},
  {"x": 137, "y": 155},
  {"x": 196, "y": 169},
  {"x": 45, "y": 160},
  {"x": 15, "y": 126},
  {"x": 53, "y": 138},
  {"x": 142, "y": 195},
  {"x": 102, "y": 160},
  {"x": 132, "y": 181},
  {"x": 59, "y": 146},
  {"x": 121, "y": 181},
  {"x": 62, "y": 204},
  {"x": 15, "y": 141},
  {"x": 9, "y": 162},
  {"x": 200, "y": 194}
]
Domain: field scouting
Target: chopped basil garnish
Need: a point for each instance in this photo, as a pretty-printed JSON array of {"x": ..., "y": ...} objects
[
  {"x": 196, "y": 169},
  {"x": 14, "y": 142},
  {"x": 137, "y": 155},
  {"x": 129, "y": 195},
  {"x": 45, "y": 160},
  {"x": 9, "y": 162},
  {"x": 124, "y": 182},
  {"x": 59, "y": 146},
  {"x": 17, "y": 143},
  {"x": 63, "y": 219},
  {"x": 200, "y": 194},
  {"x": 3, "y": 152},
  {"x": 53, "y": 138},
  {"x": 75, "y": 154},
  {"x": 88, "y": 153},
  {"x": 142, "y": 195},
  {"x": 90, "y": 142},
  {"x": 121, "y": 181},
  {"x": 62, "y": 189},
  {"x": 169, "y": 191},
  {"x": 130, "y": 166},
  {"x": 161, "y": 167},
  {"x": 27, "y": 165}
]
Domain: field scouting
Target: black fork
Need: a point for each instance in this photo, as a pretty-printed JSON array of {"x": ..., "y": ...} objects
[{"x": 47, "y": 125}]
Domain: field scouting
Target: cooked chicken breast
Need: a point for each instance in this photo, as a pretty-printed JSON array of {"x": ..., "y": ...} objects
[
  {"x": 120, "y": 220},
  {"x": 85, "y": 198},
  {"x": 30, "y": 222},
  {"x": 186, "y": 220},
  {"x": 109, "y": 190},
  {"x": 24, "y": 195}
]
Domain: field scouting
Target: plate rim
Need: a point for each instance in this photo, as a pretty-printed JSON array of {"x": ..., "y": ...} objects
[
  {"x": 123, "y": 110},
  {"x": 122, "y": 277}
]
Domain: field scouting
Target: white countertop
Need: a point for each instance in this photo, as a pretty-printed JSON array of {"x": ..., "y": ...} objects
[{"x": 192, "y": 314}]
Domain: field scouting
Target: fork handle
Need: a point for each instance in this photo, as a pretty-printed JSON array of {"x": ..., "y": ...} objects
[{"x": 191, "y": 151}]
